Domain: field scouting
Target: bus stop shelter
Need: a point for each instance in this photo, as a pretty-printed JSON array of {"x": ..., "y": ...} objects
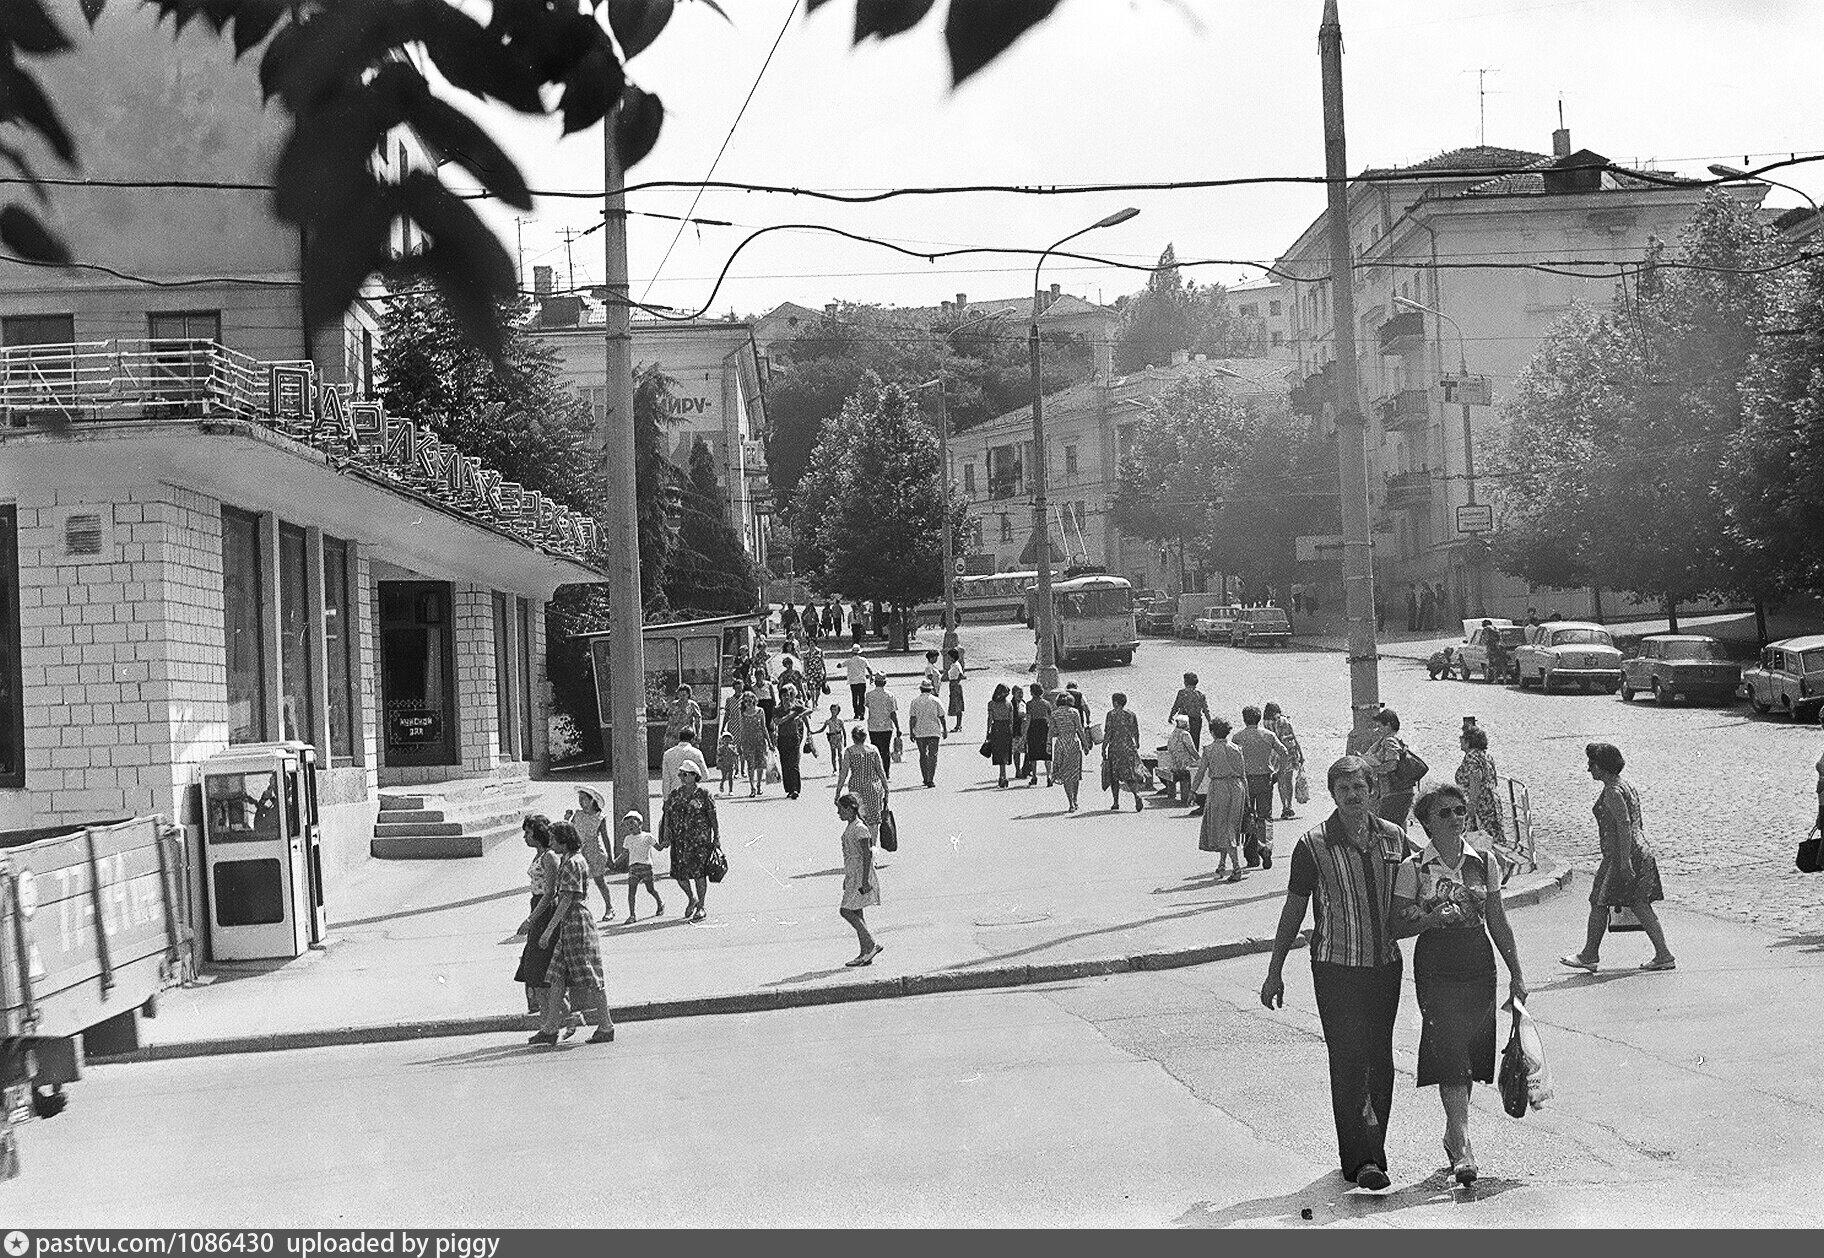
[{"x": 697, "y": 653}]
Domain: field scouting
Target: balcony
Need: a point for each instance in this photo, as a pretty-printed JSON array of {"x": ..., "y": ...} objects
[
  {"x": 1403, "y": 334},
  {"x": 1409, "y": 489},
  {"x": 130, "y": 379},
  {"x": 1408, "y": 409}
]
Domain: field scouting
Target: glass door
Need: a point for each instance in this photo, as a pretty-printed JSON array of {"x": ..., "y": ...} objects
[{"x": 418, "y": 673}]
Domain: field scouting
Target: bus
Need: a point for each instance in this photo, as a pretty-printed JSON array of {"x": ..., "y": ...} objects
[
  {"x": 988, "y": 598},
  {"x": 1092, "y": 617}
]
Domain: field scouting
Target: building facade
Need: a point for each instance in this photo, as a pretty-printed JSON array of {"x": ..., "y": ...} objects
[
  {"x": 1453, "y": 235},
  {"x": 1088, "y": 429},
  {"x": 1264, "y": 312}
]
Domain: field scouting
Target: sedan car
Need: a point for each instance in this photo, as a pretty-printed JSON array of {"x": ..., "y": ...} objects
[
  {"x": 1685, "y": 666},
  {"x": 1155, "y": 616},
  {"x": 1261, "y": 626},
  {"x": 1473, "y": 657},
  {"x": 1789, "y": 677},
  {"x": 1215, "y": 623},
  {"x": 1569, "y": 652}
]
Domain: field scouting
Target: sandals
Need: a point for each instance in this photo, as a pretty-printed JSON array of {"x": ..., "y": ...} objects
[
  {"x": 544, "y": 1037},
  {"x": 603, "y": 1035},
  {"x": 1660, "y": 963},
  {"x": 1576, "y": 962}
]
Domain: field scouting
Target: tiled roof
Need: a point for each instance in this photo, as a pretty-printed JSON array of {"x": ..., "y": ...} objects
[
  {"x": 1532, "y": 182},
  {"x": 1476, "y": 157}
]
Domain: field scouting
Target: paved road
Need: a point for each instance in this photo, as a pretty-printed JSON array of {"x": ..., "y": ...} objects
[
  {"x": 1727, "y": 795},
  {"x": 1139, "y": 1100}
]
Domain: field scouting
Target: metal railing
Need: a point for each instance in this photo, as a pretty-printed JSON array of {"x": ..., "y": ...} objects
[
  {"x": 130, "y": 378},
  {"x": 1516, "y": 845}
]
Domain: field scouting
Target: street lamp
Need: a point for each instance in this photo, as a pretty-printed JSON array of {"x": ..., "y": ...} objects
[
  {"x": 1733, "y": 172},
  {"x": 1469, "y": 448},
  {"x": 1041, "y": 525}
]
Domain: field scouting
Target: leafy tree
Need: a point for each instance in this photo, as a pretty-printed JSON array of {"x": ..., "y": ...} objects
[
  {"x": 1231, "y": 479},
  {"x": 709, "y": 572},
  {"x": 347, "y": 72},
  {"x": 1172, "y": 314},
  {"x": 869, "y": 511}
]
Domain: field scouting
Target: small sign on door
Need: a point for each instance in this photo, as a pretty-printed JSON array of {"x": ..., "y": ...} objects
[{"x": 1475, "y": 518}]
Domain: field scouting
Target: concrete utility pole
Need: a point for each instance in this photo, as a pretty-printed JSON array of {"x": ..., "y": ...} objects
[
  {"x": 613, "y": 443},
  {"x": 1351, "y": 431}
]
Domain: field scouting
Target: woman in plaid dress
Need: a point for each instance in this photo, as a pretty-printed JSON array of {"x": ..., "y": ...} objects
[{"x": 576, "y": 958}]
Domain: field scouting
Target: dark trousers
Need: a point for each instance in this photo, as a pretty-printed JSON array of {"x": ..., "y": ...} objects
[
  {"x": 857, "y": 693},
  {"x": 883, "y": 741},
  {"x": 1357, "y": 1005},
  {"x": 789, "y": 751},
  {"x": 927, "y": 759}
]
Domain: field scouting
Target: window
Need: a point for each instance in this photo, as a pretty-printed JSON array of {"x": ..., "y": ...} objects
[
  {"x": 1275, "y": 308},
  {"x": 968, "y": 478},
  {"x": 183, "y": 325},
  {"x": 297, "y": 709},
  {"x": 1006, "y": 527},
  {"x": 1004, "y": 480},
  {"x": 36, "y": 376},
  {"x": 339, "y": 644},
  {"x": 56, "y": 329},
  {"x": 503, "y": 674},
  {"x": 1070, "y": 463},
  {"x": 12, "y": 701},
  {"x": 1248, "y": 310},
  {"x": 525, "y": 679},
  {"x": 241, "y": 626}
]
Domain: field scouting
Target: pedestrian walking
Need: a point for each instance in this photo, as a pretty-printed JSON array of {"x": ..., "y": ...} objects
[
  {"x": 685, "y": 714},
  {"x": 999, "y": 736},
  {"x": 1291, "y": 766},
  {"x": 836, "y": 733},
  {"x": 684, "y": 749},
  {"x": 1022, "y": 760},
  {"x": 953, "y": 679},
  {"x": 856, "y": 629},
  {"x": 816, "y": 676},
  {"x": 1069, "y": 740},
  {"x": 1412, "y": 608},
  {"x": 1035, "y": 734},
  {"x": 882, "y": 715},
  {"x": 1385, "y": 755},
  {"x": 688, "y": 829},
  {"x": 1180, "y": 759},
  {"x": 864, "y": 774},
  {"x": 766, "y": 694},
  {"x": 1348, "y": 864},
  {"x": 1427, "y": 608},
  {"x": 1449, "y": 896},
  {"x": 728, "y": 759},
  {"x": 925, "y": 716},
  {"x": 576, "y": 947},
  {"x": 592, "y": 828},
  {"x": 788, "y": 620},
  {"x": 860, "y": 879},
  {"x": 535, "y": 955},
  {"x": 1121, "y": 753},
  {"x": 640, "y": 843},
  {"x": 1481, "y": 784},
  {"x": 934, "y": 670},
  {"x": 1193, "y": 703},
  {"x": 754, "y": 735},
  {"x": 790, "y": 738},
  {"x": 1072, "y": 695},
  {"x": 856, "y": 669},
  {"x": 1223, "y": 774},
  {"x": 1628, "y": 877},
  {"x": 1261, "y": 752},
  {"x": 810, "y": 622}
]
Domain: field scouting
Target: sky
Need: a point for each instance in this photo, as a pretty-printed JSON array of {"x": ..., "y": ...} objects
[{"x": 1128, "y": 91}]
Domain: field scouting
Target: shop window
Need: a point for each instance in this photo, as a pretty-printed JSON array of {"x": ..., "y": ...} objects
[
  {"x": 339, "y": 643},
  {"x": 503, "y": 673},
  {"x": 297, "y": 710},
  {"x": 241, "y": 625},
  {"x": 12, "y": 701}
]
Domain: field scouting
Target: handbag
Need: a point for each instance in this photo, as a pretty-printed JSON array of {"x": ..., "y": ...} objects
[
  {"x": 1810, "y": 859},
  {"x": 534, "y": 958},
  {"x": 1511, "y": 1078},
  {"x": 1409, "y": 770},
  {"x": 1623, "y": 919},
  {"x": 889, "y": 831},
  {"x": 716, "y": 867},
  {"x": 987, "y": 749},
  {"x": 1301, "y": 787},
  {"x": 899, "y": 747}
]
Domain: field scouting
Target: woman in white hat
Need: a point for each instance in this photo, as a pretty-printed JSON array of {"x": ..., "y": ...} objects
[
  {"x": 591, "y": 822},
  {"x": 689, "y": 830}
]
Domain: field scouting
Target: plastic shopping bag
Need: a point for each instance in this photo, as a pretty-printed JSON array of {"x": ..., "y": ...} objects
[
  {"x": 1301, "y": 788},
  {"x": 1524, "y": 1079}
]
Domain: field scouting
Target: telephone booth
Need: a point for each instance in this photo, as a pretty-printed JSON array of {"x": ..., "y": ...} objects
[{"x": 263, "y": 851}]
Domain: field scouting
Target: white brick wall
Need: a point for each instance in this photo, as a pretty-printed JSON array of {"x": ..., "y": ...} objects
[{"x": 477, "y": 717}]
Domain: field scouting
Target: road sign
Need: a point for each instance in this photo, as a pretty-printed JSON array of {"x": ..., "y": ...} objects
[
  {"x": 1475, "y": 518},
  {"x": 962, "y": 567},
  {"x": 1466, "y": 390}
]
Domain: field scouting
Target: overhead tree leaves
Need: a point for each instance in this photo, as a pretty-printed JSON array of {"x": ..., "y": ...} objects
[
  {"x": 27, "y": 26},
  {"x": 636, "y": 23},
  {"x": 21, "y": 232},
  {"x": 883, "y": 19},
  {"x": 976, "y": 33},
  {"x": 636, "y": 127}
]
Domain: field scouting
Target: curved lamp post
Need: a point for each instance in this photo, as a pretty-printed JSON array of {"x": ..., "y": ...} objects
[{"x": 1041, "y": 525}]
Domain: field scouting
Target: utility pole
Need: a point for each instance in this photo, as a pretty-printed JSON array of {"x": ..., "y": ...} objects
[
  {"x": 570, "y": 260},
  {"x": 614, "y": 446},
  {"x": 943, "y": 463},
  {"x": 519, "y": 251},
  {"x": 1351, "y": 431}
]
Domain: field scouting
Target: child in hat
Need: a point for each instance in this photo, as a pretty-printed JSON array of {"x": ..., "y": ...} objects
[
  {"x": 728, "y": 759},
  {"x": 592, "y": 827},
  {"x": 639, "y": 842}
]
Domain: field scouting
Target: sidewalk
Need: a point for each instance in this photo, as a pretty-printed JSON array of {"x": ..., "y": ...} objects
[{"x": 989, "y": 888}]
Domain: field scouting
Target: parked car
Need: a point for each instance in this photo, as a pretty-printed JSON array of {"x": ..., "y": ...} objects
[
  {"x": 1155, "y": 616},
  {"x": 1569, "y": 652},
  {"x": 1684, "y": 666},
  {"x": 1261, "y": 626},
  {"x": 1472, "y": 656},
  {"x": 1190, "y": 607},
  {"x": 1215, "y": 623},
  {"x": 1789, "y": 677}
]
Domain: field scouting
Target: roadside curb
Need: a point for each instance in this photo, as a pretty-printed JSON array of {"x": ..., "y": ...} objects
[{"x": 1550, "y": 882}]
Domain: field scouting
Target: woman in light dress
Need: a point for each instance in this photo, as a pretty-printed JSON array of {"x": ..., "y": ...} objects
[
  {"x": 860, "y": 880},
  {"x": 1628, "y": 876},
  {"x": 864, "y": 775},
  {"x": 1069, "y": 740},
  {"x": 1223, "y": 775}
]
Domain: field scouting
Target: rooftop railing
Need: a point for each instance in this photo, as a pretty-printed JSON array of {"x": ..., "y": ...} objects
[{"x": 129, "y": 378}]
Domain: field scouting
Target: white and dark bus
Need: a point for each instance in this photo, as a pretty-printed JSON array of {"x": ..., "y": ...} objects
[{"x": 1093, "y": 618}]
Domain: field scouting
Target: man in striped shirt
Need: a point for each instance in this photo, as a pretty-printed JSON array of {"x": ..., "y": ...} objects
[{"x": 1344, "y": 869}]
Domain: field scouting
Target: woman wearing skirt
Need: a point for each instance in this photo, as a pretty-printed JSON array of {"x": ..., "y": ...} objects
[
  {"x": 1222, "y": 776},
  {"x": 1449, "y": 895}
]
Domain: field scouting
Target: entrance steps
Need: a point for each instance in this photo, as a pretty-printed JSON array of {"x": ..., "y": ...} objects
[{"x": 445, "y": 820}]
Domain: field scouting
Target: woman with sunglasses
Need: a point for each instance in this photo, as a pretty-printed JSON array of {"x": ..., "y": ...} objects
[{"x": 1449, "y": 895}]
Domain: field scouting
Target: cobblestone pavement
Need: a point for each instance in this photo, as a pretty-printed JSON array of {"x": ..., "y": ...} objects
[{"x": 1726, "y": 795}]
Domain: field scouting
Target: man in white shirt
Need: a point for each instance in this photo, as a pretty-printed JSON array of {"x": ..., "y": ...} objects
[
  {"x": 927, "y": 721},
  {"x": 857, "y": 670},
  {"x": 684, "y": 749},
  {"x": 882, "y": 712}
]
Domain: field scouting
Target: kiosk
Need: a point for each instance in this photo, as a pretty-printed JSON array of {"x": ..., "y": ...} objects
[
  {"x": 262, "y": 851},
  {"x": 698, "y": 652}
]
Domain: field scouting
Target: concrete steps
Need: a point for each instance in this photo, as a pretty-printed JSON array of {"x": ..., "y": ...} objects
[{"x": 463, "y": 822}]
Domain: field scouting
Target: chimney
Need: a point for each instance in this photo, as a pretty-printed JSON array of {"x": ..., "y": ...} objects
[
  {"x": 1561, "y": 142},
  {"x": 1180, "y": 357},
  {"x": 829, "y": 309},
  {"x": 1054, "y": 292},
  {"x": 541, "y": 280},
  {"x": 946, "y": 306},
  {"x": 962, "y": 302}
]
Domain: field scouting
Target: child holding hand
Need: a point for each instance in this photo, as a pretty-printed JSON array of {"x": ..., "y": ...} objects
[
  {"x": 728, "y": 759},
  {"x": 639, "y": 843}
]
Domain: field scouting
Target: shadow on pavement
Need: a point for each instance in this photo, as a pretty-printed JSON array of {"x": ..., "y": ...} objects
[
  {"x": 1811, "y": 943},
  {"x": 998, "y": 958},
  {"x": 481, "y": 1056},
  {"x": 823, "y": 873},
  {"x": 808, "y": 976},
  {"x": 1330, "y": 1199},
  {"x": 490, "y": 897}
]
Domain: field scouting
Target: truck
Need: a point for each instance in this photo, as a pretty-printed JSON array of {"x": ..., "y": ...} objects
[{"x": 93, "y": 925}]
